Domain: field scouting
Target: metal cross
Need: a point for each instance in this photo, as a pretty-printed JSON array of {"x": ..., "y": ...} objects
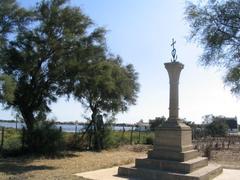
[
  {"x": 173, "y": 51},
  {"x": 173, "y": 42}
]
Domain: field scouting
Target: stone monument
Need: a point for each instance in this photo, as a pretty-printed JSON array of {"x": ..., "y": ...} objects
[{"x": 173, "y": 156}]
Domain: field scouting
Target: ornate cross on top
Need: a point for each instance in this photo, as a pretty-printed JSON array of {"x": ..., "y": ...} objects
[{"x": 173, "y": 51}]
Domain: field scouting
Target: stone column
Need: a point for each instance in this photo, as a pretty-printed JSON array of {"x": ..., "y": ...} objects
[{"x": 174, "y": 70}]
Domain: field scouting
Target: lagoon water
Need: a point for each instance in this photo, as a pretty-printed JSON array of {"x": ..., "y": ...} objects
[{"x": 65, "y": 127}]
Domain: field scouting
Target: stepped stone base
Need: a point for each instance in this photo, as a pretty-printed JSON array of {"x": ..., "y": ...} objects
[
  {"x": 172, "y": 157},
  {"x": 208, "y": 172},
  {"x": 173, "y": 166}
]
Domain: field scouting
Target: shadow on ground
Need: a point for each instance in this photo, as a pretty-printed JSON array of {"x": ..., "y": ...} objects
[
  {"x": 22, "y": 164},
  {"x": 15, "y": 167}
]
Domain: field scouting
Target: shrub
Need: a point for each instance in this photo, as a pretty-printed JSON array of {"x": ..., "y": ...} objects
[
  {"x": 45, "y": 138},
  {"x": 207, "y": 151},
  {"x": 74, "y": 141},
  {"x": 110, "y": 140},
  {"x": 149, "y": 140},
  {"x": 12, "y": 143},
  {"x": 217, "y": 128}
]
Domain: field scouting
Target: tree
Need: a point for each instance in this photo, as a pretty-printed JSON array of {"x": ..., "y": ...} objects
[
  {"x": 42, "y": 51},
  {"x": 215, "y": 25},
  {"x": 157, "y": 122},
  {"x": 207, "y": 119},
  {"x": 106, "y": 86},
  {"x": 217, "y": 128}
]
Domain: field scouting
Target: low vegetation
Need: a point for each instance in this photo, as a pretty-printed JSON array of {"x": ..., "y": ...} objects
[{"x": 51, "y": 141}]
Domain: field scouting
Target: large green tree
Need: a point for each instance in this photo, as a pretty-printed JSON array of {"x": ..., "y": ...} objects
[
  {"x": 40, "y": 50},
  {"x": 105, "y": 86},
  {"x": 215, "y": 25}
]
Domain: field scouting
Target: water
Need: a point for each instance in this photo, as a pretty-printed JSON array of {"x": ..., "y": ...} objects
[{"x": 65, "y": 127}]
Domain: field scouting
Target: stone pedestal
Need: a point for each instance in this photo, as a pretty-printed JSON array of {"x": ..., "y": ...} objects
[{"x": 173, "y": 156}]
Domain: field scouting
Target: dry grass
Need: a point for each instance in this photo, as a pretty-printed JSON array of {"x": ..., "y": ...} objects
[
  {"x": 227, "y": 158},
  {"x": 76, "y": 162},
  {"x": 65, "y": 167}
]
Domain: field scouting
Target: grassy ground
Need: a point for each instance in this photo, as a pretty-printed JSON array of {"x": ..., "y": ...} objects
[{"x": 64, "y": 167}]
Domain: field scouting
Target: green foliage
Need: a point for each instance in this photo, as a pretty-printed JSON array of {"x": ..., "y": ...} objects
[
  {"x": 157, "y": 122},
  {"x": 145, "y": 137},
  {"x": 12, "y": 144},
  {"x": 50, "y": 141},
  {"x": 7, "y": 88},
  {"x": 217, "y": 128},
  {"x": 12, "y": 140},
  {"x": 12, "y": 17},
  {"x": 104, "y": 87},
  {"x": 109, "y": 140},
  {"x": 44, "y": 138},
  {"x": 215, "y": 25},
  {"x": 149, "y": 140},
  {"x": 107, "y": 86},
  {"x": 72, "y": 141}
]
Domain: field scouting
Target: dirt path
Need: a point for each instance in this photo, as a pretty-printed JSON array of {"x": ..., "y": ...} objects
[{"x": 63, "y": 168}]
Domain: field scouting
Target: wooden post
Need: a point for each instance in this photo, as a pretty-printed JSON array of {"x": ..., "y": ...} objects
[
  {"x": 131, "y": 135},
  {"x": 139, "y": 131},
  {"x": 123, "y": 131},
  {"x": 76, "y": 129},
  {"x": 16, "y": 124},
  {"x": 2, "y": 140},
  {"x": 23, "y": 138}
]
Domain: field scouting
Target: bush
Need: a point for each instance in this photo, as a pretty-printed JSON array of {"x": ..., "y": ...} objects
[
  {"x": 149, "y": 140},
  {"x": 110, "y": 140},
  {"x": 217, "y": 128},
  {"x": 73, "y": 141},
  {"x": 12, "y": 143},
  {"x": 207, "y": 151},
  {"x": 45, "y": 138}
]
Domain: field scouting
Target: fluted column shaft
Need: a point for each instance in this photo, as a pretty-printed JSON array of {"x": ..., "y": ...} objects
[{"x": 174, "y": 70}]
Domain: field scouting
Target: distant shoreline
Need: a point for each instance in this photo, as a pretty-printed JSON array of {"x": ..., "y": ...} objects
[{"x": 72, "y": 123}]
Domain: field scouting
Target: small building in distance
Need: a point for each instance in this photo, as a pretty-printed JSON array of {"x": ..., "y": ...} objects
[
  {"x": 142, "y": 126},
  {"x": 230, "y": 121}
]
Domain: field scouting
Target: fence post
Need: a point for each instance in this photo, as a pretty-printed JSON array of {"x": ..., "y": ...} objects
[
  {"x": 23, "y": 138},
  {"x": 123, "y": 131},
  {"x": 131, "y": 135},
  {"x": 2, "y": 140},
  {"x": 139, "y": 131},
  {"x": 75, "y": 128}
]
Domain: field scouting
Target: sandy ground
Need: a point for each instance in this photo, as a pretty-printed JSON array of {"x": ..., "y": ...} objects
[{"x": 65, "y": 167}]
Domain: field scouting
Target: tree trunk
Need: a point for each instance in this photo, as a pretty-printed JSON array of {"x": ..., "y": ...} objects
[
  {"x": 97, "y": 144},
  {"x": 28, "y": 118}
]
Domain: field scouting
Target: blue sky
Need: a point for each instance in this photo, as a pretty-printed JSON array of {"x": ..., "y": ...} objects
[{"x": 140, "y": 32}]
